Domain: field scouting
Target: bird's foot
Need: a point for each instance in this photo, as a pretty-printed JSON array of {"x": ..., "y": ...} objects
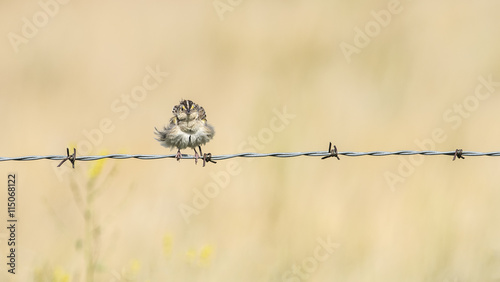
[
  {"x": 196, "y": 156},
  {"x": 178, "y": 156}
]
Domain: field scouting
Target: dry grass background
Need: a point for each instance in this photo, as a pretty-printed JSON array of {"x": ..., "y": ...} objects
[{"x": 440, "y": 224}]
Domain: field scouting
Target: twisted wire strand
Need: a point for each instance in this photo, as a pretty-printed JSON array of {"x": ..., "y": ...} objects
[{"x": 254, "y": 155}]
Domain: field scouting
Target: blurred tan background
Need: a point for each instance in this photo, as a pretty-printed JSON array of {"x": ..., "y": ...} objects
[{"x": 412, "y": 75}]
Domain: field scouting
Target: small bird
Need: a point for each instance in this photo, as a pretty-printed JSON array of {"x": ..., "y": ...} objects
[{"x": 187, "y": 128}]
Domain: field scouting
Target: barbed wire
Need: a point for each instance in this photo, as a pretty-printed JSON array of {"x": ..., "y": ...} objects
[
  {"x": 458, "y": 153},
  {"x": 251, "y": 155}
]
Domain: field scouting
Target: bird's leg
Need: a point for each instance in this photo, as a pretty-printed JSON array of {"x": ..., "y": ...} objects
[
  {"x": 203, "y": 156},
  {"x": 196, "y": 156},
  {"x": 178, "y": 156}
]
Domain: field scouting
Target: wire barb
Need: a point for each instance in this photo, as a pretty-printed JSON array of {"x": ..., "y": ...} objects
[
  {"x": 71, "y": 158},
  {"x": 207, "y": 157},
  {"x": 458, "y": 154},
  {"x": 333, "y": 153}
]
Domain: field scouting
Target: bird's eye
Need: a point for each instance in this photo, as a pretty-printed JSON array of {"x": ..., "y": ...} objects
[{"x": 183, "y": 107}]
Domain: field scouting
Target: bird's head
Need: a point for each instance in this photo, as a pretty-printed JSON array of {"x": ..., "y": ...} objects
[{"x": 187, "y": 110}]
